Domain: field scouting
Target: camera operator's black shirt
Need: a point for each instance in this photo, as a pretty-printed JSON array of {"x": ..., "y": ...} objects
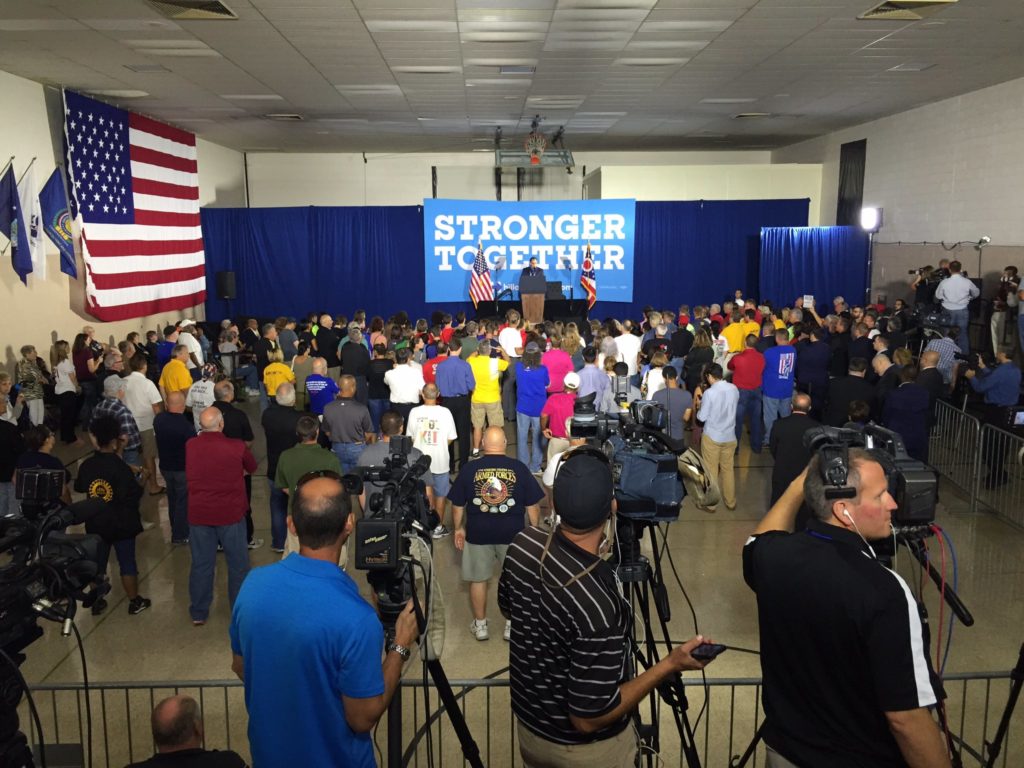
[
  {"x": 841, "y": 645},
  {"x": 569, "y": 648}
]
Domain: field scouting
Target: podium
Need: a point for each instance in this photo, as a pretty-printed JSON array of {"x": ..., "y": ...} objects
[{"x": 532, "y": 290}]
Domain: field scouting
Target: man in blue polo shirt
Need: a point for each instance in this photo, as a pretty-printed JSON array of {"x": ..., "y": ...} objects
[
  {"x": 308, "y": 647},
  {"x": 777, "y": 381}
]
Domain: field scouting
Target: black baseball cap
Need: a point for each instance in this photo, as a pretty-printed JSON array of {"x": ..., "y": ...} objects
[{"x": 583, "y": 491}]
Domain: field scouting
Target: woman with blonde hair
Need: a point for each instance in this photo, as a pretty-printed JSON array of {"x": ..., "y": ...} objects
[{"x": 66, "y": 390}]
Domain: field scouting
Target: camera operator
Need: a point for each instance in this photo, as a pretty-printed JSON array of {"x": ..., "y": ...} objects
[
  {"x": 955, "y": 293},
  {"x": 847, "y": 680},
  {"x": 308, "y": 647},
  {"x": 1001, "y": 389},
  {"x": 570, "y": 653},
  {"x": 925, "y": 282}
]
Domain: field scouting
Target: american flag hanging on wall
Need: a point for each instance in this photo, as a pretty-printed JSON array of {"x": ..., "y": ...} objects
[
  {"x": 480, "y": 286},
  {"x": 135, "y": 193}
]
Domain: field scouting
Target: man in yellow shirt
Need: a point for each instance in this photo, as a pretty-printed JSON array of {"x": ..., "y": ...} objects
[
  {"x": 735, "y": 332},
  {"x": 488, "y": 362},
  {"x": 176, "y": 376}
]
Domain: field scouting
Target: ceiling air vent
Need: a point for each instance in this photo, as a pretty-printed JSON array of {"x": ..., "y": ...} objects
[
  {"x": 905, "y": 10},
  {"x": 193, "y": 10}
]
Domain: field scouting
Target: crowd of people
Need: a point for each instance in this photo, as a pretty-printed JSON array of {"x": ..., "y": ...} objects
[{"x": 330, "y": 394}]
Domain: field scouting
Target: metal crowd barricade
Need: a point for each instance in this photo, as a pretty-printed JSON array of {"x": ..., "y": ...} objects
[
  {"x": 955, "y": 448},
  {"x": 725, "y": 718},
  {"x": 1000, "y": 479}
]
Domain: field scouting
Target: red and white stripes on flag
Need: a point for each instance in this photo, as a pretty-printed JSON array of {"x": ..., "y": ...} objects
[
  {"x": 480, "y": 286},
  {"x": 135, "y": 192}
]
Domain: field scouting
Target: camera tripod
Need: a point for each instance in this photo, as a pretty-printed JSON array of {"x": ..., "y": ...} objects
[
  {"x": 643, "y": 585},
  {"x": 450, "y": 706}
]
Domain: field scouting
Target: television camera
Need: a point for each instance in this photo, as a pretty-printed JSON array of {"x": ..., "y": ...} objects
[{"x": 44, "y": 573}]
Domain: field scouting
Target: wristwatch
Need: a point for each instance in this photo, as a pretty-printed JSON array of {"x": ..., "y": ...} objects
[{"x": 401, "y": 650}]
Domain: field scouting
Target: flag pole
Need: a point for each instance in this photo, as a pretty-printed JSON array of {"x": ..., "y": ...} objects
[
  {"x": 7, "y": 165},
  {"x": 31, "y": 163}
]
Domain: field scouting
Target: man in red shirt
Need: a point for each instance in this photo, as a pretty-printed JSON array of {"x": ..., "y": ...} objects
[
  {"x": 430, "y": 366},
  {"x": 747, "y": 368},
  {"x": 215, "y": 469}
]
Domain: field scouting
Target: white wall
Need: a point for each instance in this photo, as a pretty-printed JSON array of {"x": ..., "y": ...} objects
[
  {"x": 51, "y": 307},
  {"x": 714, "y": 182},
  {"x": 948, "y": 171},
  {"x": 283, "y": 179}
]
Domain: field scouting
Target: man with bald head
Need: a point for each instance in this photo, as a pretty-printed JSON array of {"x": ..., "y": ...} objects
[
  {"x": 215, "y": 469},
  {"x": 173, "y": 430},
  {"x": 930, "y": 377},
  {"x": 492, "y": 497},
  {"x": 315, "y": 685},
  {"x": 178, "y": 738},
  {"x": 787, "y": 447},
  {"x": 432, "y": 429},
  {"x": 347, "y": 424},
  {"x": 326, "y": 344}
]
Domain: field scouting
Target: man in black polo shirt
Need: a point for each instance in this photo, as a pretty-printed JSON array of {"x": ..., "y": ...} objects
[
  {"x": 326, "y": 344},
  {"x": 279, "y": 422},
  {"x": 847, "y": 681},
  {"x": 570, "y": 656}
]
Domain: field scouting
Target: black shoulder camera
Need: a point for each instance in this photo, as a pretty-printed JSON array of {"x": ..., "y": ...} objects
[{"x": 913, "y": 484}]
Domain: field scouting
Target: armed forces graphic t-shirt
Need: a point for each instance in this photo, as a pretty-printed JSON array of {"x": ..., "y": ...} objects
[{"x": 495, "y": 492}]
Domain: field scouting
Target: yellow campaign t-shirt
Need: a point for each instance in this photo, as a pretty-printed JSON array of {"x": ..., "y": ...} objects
[
  {"x": 487, "y": 374},
  {"x": 175, "y": 377},
  {"x": 734, "y": 334},
  {"x": 276, "y": 374},
  {"x": 779, "y": 325}
]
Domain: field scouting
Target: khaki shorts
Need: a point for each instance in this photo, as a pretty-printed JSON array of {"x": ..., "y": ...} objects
[
  {"x": 617, "y": 752},
  {"x": 478, "y": 560},
  {"x": 148, "y": 444},
  {"x": 489, "y": 412}
]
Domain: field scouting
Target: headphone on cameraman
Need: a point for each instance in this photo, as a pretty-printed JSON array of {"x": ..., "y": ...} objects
[{"x": 834, "y": 468}]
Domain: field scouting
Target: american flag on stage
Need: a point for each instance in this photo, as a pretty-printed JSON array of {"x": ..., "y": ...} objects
[
  {"x": 588, "y": 279},
  {"x": 135, "y": 194},
  {"x": 480, "y": 287}
]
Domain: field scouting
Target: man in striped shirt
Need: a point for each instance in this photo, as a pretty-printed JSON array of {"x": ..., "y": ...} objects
[{"x": 570, "y": 662}]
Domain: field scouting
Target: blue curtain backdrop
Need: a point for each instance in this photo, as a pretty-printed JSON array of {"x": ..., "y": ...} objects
[
  {"x": 823, "y": 261},
  {"x": 290, "y": 261}
]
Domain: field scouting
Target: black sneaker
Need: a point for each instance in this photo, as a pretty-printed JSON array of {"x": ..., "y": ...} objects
[
  {"x": 99, "y": 607},
  {"x": 138, "y": 605}
]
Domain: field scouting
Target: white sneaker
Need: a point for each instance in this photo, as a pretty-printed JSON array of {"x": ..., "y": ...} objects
[
  {"x": 508, "y": 631},
  {"x": 479, "y": 629}
]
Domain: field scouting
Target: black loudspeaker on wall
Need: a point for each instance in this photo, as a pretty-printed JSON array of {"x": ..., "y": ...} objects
[{"x": 226, "y": 285}]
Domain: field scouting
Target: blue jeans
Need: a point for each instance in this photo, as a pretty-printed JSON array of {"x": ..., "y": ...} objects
[
  {"x": 528, "y": 450},
  {"x": 750, "y": 405},
  {"x": 348, "y": 454},
  {"x": 203, "y": 541},
  {"x": 264, "y": 398},
  {"x": 775, "y": 408},
  {"x": 278, "y": 516},
  {"x": 961, "y": 318},
  {"x": 177, "y": 503},
  {"x": 248, "y": 373},
  {"x": 377, "y": 408}
]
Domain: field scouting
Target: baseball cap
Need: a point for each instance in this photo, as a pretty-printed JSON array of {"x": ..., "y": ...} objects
[
  {"x": 583, "y": 491},
  {"x": 572, "y": 380},
  {"x": 186, "y": 322},
  {"x": 532, "y": 347}
]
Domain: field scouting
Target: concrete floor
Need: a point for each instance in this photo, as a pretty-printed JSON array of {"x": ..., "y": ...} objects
[{"x": 162, "y": 645}]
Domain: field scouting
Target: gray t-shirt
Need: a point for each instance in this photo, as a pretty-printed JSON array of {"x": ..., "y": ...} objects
[
  {"x": 374, "y": 454},
  {"x": 676, "y": 401},
  {"x": 347, "y": 421}
]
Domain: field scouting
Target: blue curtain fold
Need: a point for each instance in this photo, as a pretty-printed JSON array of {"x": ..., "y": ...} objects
[
  {"x": 823, "y": 261},
  {"x": 290, "y": 261}
]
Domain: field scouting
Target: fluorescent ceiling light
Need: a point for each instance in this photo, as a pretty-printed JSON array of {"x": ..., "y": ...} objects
[
  {"x": 727, "y": 101},
  {"x": 252, "y": 97},
  {"x": 383, "y": 89},
  {"x": 410, "y": 25},
  {"x": 123, "y": 93},
  {"x": 195, "y": 53},
  {"x": 911, "y": 66},
  {"x": 689, "y": 45},
  {"x": 498, "y": 81},
  {"x": 650, "y": 62},
  {"x": 38, "y": 25},
  {"x": 418, "y": 69},
  {"x": 164, "y": 43},
  {"x": 617, "y": 5},
  {"x": 504, "y": 37},
  {"x": 503, "y": 26},
  {"x": 715, "y": 26},
  {"x": 499, "y": 62},
  {"x": 147, "y": 69}
]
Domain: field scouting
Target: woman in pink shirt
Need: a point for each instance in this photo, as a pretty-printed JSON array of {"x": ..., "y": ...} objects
[{"x": 558, "y": 362}]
